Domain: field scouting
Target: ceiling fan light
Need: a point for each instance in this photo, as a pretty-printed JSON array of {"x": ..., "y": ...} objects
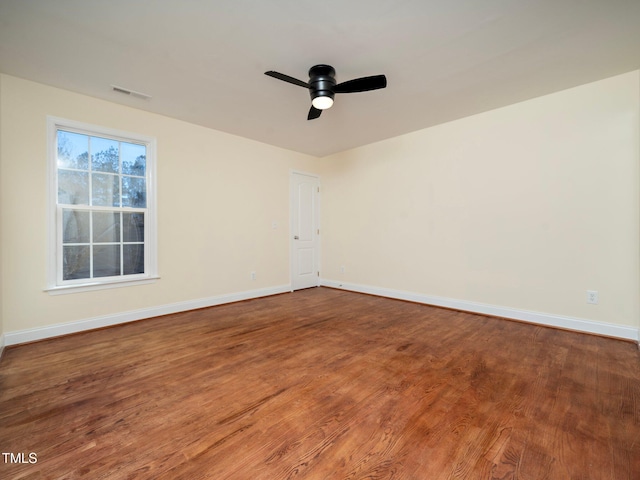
[{"x": 322, "y": 102}]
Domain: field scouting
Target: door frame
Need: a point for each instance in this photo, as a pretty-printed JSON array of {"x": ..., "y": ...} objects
[{"x": 292, "y": 198}]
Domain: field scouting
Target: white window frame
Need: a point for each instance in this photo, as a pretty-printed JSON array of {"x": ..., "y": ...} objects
[{"x": 55, "y": 284}]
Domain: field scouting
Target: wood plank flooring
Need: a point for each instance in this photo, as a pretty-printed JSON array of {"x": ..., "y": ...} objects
[{"x": 322, "y": 384}]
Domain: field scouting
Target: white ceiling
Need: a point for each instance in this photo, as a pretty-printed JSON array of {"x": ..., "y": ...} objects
[{"x": 203, "y": 60}]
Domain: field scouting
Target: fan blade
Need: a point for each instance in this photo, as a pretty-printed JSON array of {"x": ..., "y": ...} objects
[
  {"x": 363, "y": 84},
  {"x": 287, "y": 78},
  {"x": 314, "y": 113}
]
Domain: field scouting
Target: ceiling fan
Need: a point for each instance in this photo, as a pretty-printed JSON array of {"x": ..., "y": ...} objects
[{"x": 322, "y": 86}]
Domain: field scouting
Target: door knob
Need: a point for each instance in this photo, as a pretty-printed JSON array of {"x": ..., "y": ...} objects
[{"x": 296, "y": 237}]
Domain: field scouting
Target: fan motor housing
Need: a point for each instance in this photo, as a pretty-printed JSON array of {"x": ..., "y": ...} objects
[{"x": 321, "y": 81}]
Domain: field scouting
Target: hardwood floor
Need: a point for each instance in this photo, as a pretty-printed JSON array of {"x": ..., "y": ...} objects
[{"x": 322, "y": 384}]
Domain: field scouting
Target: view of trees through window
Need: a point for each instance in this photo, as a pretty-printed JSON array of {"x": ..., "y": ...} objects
[{"x": 102, "y": 195}]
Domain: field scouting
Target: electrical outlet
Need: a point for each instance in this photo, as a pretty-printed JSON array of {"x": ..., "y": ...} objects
[
  {"x": 253, "y": 275},
  {"x": 592, "y": 297}
]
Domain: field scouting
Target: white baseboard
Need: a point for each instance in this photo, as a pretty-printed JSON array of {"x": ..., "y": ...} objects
[
  {"x": 558, "y": 321},
  {"x": 550, "y": 320},
  {"x": 41, "y": 333}
]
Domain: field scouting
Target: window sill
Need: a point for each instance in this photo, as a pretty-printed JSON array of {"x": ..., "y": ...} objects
[{"x": 89, "y": 287}]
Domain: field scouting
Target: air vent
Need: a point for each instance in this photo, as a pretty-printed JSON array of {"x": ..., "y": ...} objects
[{"x": 126, "y": 91}]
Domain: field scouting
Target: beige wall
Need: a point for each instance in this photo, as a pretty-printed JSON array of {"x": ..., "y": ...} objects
[
  {"x": 218, "y": 195},
  {"x": 2, "y": 342},
  {"x": 525, "y": 207}
]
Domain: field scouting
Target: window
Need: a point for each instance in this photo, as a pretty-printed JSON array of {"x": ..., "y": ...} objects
[{"x": 102, "y": 207}]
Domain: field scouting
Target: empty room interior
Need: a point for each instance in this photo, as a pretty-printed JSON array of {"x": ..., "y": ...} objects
[{"x": 320, "y": 240}]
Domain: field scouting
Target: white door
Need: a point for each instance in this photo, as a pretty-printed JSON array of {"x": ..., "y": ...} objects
[{"x": 305, "y": 193}]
